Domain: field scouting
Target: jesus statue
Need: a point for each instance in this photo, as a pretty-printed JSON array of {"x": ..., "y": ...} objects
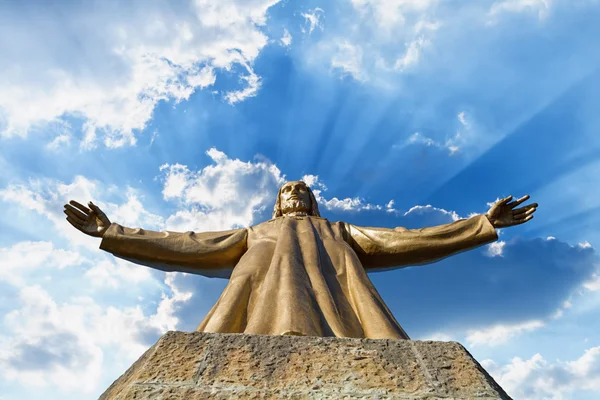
[{"x": 298, "y": 273}]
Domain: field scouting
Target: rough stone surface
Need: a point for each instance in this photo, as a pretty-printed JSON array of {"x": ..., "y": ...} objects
[{"x": 227, "y": 366}]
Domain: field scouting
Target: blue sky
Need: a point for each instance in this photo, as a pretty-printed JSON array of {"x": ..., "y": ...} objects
[{"x": 188, "y": 115}]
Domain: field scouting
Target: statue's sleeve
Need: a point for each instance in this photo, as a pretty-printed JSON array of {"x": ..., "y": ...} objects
[
  {"x": 212, "y": 254},
  {"x": 397, "y": 247}
]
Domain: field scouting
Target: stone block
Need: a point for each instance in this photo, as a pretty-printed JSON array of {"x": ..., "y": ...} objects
[{"x": 227, "y": 366}]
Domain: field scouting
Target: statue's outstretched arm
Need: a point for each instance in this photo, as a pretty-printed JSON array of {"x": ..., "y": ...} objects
[
  {"x": 209, "y": 253},
  {"x": 383, "y": 247}
]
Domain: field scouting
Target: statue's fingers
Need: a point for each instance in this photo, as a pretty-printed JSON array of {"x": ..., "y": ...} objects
[
  {"x": 525, "y": 209},
  {"x": 96, "y": 209},
  {"x": 520, "y": 201},
  {"x": 524, "y": 214},
  {"x": 74, "y": 217},
  {"x": 76, "y": 212},
  {"x": 523, "y": 220},
  {"x": 75, "y": 224},
  {"x": 99, "y": 213},
  {"x": 80, "y": 206},
  {"x": 505, "y": 200}
]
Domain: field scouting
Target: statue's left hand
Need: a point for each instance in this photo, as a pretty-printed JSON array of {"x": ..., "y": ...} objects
[
  {"x": 504, "y": 214},
  {"x": 91, "y": 221}
]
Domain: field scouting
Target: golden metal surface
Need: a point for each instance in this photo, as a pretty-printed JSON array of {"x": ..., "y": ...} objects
[{"x": 298, "y": 273}]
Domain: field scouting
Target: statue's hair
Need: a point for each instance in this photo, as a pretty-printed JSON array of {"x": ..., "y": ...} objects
[{"x": 314, "y": 206}]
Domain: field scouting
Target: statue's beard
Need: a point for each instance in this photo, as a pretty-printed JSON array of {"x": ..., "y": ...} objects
[{"x": 295, "y": 206}]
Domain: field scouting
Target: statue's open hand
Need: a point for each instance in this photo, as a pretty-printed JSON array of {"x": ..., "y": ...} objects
[
  {"x": 91, "y": 221},
  {"x": 504, "y": 214}
]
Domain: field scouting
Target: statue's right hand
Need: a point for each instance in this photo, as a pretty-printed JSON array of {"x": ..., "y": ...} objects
[{"x": 91, "y": 221}]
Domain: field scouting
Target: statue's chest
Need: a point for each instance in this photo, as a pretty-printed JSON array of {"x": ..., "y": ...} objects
[{"x": 294, "y": 228}]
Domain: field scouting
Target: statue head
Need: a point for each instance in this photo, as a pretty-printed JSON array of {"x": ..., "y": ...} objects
[{"x": 295, "y": 197}]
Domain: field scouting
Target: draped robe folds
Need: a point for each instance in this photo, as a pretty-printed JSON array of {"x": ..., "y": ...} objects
[{"x": 298, "y": 275}]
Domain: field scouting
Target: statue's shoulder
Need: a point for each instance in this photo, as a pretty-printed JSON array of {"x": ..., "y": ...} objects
[
  {"x": 263, "y": 224},
  {"x": 311, "y": 217},
  {"x": 334, "y": 224},
  {"x": 279, "y": 219},
  {"x": 340, "y": 223}
]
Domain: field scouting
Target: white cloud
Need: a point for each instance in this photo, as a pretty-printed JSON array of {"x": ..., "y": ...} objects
[
  {"x": 63, "y": 345},
  {"x": 62, "y": 132},
  {"x": 176, "y": 180},
  {"x": 491, "y": 203},
  {"x": 500, "y": 334},
  {"x": 390, "y": 206},
  {"x": 69, "y": 344},
  {"x": 71, "y": 363},
  {"x": 313, "y": 19},
  {"x": 438, "y": 337},
  {"x": 390, "y": 14},
  {"x": 495, "y": 249},
  {"x": 346, "y": 204},
  {"x": 357, "y": 204},
  {"x": 25, "y": 258},
  {"x": 419, "y": 138},
  {"x": 364, "y": 44},
  {"x": 424, "y": 25},
  {"x": 132, "y": 213},
  {"x": 253, "y": 83},
  {"x": 537, "y": 378},
  {"x": 165, "y": 318},
  {"x": 429, "y": 208},
  {"x": 47, "y": 196},
  {"x": 228, "y": 193},
  {"x": 122, "y": 63},
  {"x": 377, "y": 38},
  {"x": 286, "y": 39},
  {"x": 59, "y": 141},
  {"x": 347, "y": 58},
  {"x": 593, "y": 284},
  {"x": 539, "y": 7},
  {"x": 313, "y": 182},
  {"x": 464, "y": 136},
  {"x": 453, "y": 144},
  {"x": 560, "y": 311},
  {"x": 412, "y": 55},
  {"x": 453, "y": 149},
  {"x": 117, "y": 273}
]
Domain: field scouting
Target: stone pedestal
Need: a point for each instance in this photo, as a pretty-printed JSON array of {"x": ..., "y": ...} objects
[{"x": 203, "y": 366}]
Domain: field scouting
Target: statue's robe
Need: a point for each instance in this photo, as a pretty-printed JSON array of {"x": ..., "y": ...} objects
[{"x": 298, "y": 275}]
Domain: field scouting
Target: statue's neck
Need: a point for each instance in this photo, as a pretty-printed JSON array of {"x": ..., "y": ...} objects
[{"x": 295, "y": 214}]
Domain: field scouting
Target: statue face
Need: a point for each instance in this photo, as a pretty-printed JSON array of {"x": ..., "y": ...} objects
[{"x": 295, "y": 197}]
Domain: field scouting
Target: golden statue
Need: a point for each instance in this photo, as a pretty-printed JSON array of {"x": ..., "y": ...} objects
[{"x": 298, "y": 273}]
